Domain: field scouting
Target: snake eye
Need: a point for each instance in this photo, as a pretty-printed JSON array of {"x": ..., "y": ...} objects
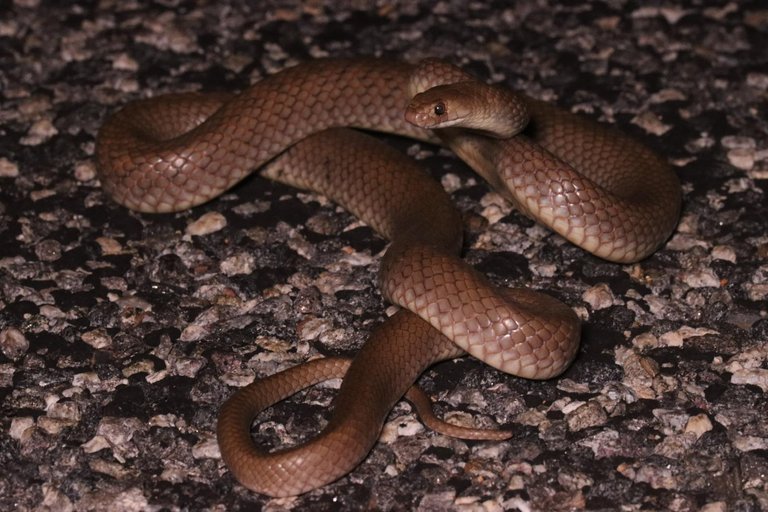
[{"x": 440, "y": 109}]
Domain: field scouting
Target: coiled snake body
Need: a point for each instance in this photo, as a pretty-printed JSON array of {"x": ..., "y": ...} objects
[{"x": 174, "y": 152}]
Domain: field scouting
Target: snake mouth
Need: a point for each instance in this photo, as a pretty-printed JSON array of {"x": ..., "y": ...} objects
[{"x": 429, "y": 120}]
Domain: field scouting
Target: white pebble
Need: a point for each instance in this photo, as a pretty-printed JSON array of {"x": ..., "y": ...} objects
[
  {"x": 755, "y": 377},
  {"x": 97, "y": 338},
  {"x": 699, "y": 424},
  {"x": 742, "y": 158},
  {"x": 704, "y": 278},
  {"x": 240, "y": 263},
  {"x": 8, "y": 169},
  {"x": 724, "y": 252},
  {"x": 599, "y": 296},
  {"x": 20, "y": 425},
  {"x": 39, "y": 132},
  {"x": 13, "y": 343},
  {"x": 207, "y": 224}
]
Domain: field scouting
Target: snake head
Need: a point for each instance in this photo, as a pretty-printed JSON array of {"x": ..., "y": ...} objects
[
  {"x": 442, "y": 106},
  {"x": 487, "y": 109}
]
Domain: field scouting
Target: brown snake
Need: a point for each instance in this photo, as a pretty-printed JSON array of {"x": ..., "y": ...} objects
[{"x": 174, "y": 152}]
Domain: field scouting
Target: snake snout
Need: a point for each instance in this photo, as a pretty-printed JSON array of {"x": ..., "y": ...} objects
[{"x": 418, "y": 117}]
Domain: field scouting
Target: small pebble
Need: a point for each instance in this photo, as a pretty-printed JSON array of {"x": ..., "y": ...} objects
[
  {"x": 19, "y": 426},
  {"x": 207, "y": 224},
  {"x": 8, "y": 169},
  {"x": 110, "y": 468},
  {"x": 54, "y": 498},
  {"x": 109, "y": 246},
  {"x": 704, "y": 278},
  {"x": 188, "y": 366},
  {"x": 640, "y": 373},
  {"x": 206, "y": 448},
  {"x": 68, "y": 411},
  {"x": 742, "y": 158},
  {"x": 651, "y": 123},
  {"x": 312, "y": 328},
  {"x": 240, "y": 263},
  {"x": 591, "y": 414},
  {"x": 757, "y": 291},
  {"x": 750, "y": 443},
  {"x": 125, "y": 62},
  {"x": 97, "y": 338},
  {"x": 85, "y": 171},
  {"x": 13, "y": 343},
  {"x": 670, "y": 14},
  {"x": 48, "y": 250},
  {"x": 724, "y": 252},
  {"x": 37, "y": 195},
  {"x": 755, "y": 377},
  {"x": 573, "y": 480},
  {"x": 39, "y": 132},
  {"x": 738, "y": 142},
  {"x": 599, "y": 296},
  {"x": 699, "y": 425}
]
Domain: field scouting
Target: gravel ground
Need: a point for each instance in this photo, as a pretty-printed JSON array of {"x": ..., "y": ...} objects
[{"x": 121, "y": 333}]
